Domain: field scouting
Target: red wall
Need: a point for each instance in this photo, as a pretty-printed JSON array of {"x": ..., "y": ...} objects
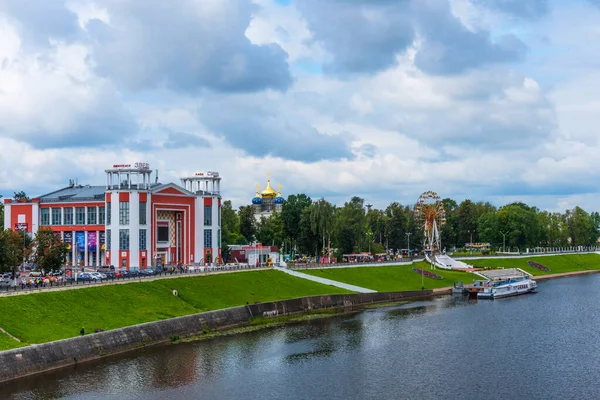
[
  {"x": 176, "y": 203},
  {"x": 16, "y": 209}
]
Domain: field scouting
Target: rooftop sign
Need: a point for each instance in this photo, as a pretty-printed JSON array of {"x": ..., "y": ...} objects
[{"x": 143, "y": 166}]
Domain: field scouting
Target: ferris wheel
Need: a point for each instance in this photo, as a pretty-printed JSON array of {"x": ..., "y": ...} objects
[{"x": 429, "y": 211}]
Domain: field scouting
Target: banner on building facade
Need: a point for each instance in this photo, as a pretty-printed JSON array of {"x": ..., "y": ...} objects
[
  {"x": 92, "y": 242},
  {"x": 68, "y": 237},
  {"x": 80, "y": 240},
  {"x": 21, "y": 226},
  {"x": 102, "y": 240}
]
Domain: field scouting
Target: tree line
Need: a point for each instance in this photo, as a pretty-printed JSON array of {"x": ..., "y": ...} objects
[
  {"x": 311, "y": 227},
  {"x": 46, "y": 250}
]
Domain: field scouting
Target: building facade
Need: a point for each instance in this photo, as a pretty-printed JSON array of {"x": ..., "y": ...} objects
[{"x": 130, "y": 222}]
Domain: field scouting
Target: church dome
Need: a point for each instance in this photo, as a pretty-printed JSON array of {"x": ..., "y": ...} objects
[
  {"x": 257, "y": 200},
  {"x": 278, "y": 200},
  {"x": 269, "y": 192}
]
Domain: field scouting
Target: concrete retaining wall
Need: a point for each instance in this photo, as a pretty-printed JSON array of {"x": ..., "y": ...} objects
[{"x": 44, "y": 357}]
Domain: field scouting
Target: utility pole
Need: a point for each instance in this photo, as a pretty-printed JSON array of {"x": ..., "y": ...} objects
[
  {"x": 408, "y": 243},
  {"x": 471, "y": 233}
]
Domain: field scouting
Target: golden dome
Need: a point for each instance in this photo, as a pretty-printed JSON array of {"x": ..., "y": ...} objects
[{"x": 268, "y": 193}]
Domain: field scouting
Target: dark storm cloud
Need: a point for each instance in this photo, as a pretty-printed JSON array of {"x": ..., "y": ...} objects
[
  {"x": 366, "y": 36},
  {"x": 260, "y": 128},
  {"x": 186, "y": 46}
]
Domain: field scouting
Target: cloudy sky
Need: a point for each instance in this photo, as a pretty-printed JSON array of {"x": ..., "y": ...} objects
[{"x": 495, "y": 100}]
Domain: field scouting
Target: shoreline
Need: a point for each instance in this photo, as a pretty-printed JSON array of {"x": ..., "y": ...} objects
[{"x": 207, "y": 325}]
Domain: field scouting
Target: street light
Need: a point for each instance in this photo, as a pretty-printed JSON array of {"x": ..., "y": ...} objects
[
  {"x": 408, "y": 242},
  {"x": 503, "y": 241},
  {"x": 471, "y": 233}
]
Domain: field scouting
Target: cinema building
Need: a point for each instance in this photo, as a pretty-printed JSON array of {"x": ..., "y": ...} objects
[{"x": 131, "y": 221}]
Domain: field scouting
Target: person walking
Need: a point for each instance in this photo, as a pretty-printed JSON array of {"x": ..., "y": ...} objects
[{"x": 82, "y": 331}]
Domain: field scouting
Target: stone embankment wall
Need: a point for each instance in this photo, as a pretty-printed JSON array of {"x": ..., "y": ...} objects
[{"x": 44, "y": 357}]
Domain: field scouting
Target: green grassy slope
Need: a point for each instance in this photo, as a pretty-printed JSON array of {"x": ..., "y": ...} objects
[
  {"x": 43, "y": 317},
  {"x": 7, "y": 342},
  {"x": 556, "y": 263},
  {"x": 392, "y": 278}
]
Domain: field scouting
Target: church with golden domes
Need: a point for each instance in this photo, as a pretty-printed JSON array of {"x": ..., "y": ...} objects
[{"x": 267, "y": 201}]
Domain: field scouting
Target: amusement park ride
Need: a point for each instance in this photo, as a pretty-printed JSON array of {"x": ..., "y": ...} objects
[{"x": 430, "y": 213}]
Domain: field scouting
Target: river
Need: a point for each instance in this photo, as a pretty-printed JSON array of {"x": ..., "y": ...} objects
[{"x": 538, "y": 346}]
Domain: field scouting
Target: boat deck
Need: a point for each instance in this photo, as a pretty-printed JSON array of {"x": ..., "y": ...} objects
[{"x": 504, "y": 275}]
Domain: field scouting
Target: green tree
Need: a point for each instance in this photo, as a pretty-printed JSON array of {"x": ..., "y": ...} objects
[
  {"x": 247, "y": 222},
  {"x": 488, "y": 228},
  {"x": 396, "y": 226},
  {"x": 20, "y": 196},
  {"x": 322, "y": 220},
  {"x": 350, "y": 226},
  {"x": 291, "y": 213},
  {"x": 1, "y": 215},
  {"x": 521, "y": 225},
  {"x": 376, "y": 222},
  {"x": 50, "y": 252},
  {"x": 449, "y": 231},
  {"x": 582, "y": 228},
  {"x": 12, "y": 247},
  {"x": 270, "y": 230},
  {"x": 308, "y": 240}
]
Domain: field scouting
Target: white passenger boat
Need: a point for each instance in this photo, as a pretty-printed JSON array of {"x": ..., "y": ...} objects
[{"x": 508, "y": 288}]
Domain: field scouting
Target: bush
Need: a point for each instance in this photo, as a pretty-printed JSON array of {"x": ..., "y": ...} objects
[{"x": 174, "y": 338}]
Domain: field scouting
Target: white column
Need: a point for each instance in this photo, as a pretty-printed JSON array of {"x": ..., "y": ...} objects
[
  {"x": 134, "y": 229},
  {"x": 215, "y": 228},
  {"x": 98, "y": 248},
  {"x": 198, "y": 226},
  {"x": 114, "y": 239},
  {"x": 85, "y": 252},
  {"x": 73, "y": 250},
  {"x": 35, "y": 217},
  {"x": 7, "y": 220}
]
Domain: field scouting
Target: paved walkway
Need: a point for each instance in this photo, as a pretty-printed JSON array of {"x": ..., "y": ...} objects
[{"x": 326, "y": 281}]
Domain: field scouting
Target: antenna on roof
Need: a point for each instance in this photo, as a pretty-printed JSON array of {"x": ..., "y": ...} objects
[{"x": 156, "y": 179}]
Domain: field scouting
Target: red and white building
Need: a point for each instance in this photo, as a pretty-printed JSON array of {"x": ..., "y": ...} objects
[{"x": 130, "y": 221}]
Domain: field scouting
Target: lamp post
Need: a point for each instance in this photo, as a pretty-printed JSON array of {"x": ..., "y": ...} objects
[
  {"x": 503, "y": 241},
  {"x": 471, "y": 234},
  {"x": 408, "y": 242}
]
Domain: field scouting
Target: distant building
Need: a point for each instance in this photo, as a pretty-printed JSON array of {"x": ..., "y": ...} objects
[
  {"x": 267, "y": 201},
  {"x": 251, "y": 254},
  {"x": 131, "y": 222}
]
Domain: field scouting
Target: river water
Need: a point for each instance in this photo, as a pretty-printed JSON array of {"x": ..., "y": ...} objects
[{"x": 539, "y": 346}]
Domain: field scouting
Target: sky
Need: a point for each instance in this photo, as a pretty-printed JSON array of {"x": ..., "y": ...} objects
[{"x": 491, "y": 100}]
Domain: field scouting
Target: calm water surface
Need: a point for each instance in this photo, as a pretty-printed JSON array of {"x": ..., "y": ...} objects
[{"x": 539, "y": 346}]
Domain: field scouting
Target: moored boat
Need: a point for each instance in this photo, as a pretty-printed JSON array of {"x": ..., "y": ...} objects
[{"x": 507, "y": 289}]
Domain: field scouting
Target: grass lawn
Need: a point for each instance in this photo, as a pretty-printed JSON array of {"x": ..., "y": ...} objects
[
  {"x": 556, "y": 263},
  {"x": 392, "y": 278},
  {"x": 7, "y": 342},
  {"x": 43, "y": 317}
]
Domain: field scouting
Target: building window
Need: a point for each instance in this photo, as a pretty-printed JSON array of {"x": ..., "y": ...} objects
[
  {"x": 142, "y": 239},
  {"x": 56, "y": 216},
  {"x": 91, "y": 212},
  {"x": 108, "y": 239},
  {"x": 207, "y": 215},
  {"x": 68, "y": 216},
  {"x": 124, "y": 213},
  {"x": 142, "y": 213},
  {"x": 108, "y": 213},
  {"x": 208, "y": 238},
  {"x": 219, "y": 238},
  {"x": 123, "y": 239},
  {"x": 80, "y": 215},
  {"x": 101, "y": 215},
  {"x": 45, "y": 216}
]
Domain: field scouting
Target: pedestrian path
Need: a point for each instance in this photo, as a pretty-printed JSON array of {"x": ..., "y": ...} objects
[{"x": 325, "y": 281}]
